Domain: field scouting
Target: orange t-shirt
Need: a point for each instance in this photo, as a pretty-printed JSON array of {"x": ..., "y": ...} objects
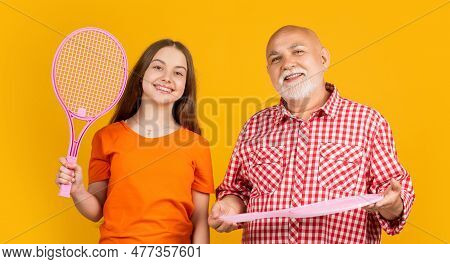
[{"x": 150, "y": 183}]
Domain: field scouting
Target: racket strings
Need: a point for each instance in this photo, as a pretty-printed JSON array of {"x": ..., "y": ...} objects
[{"x": 89, "y": 73}]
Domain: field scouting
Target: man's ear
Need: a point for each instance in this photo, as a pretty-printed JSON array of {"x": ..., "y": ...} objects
[{"x": 325, "y": 56}]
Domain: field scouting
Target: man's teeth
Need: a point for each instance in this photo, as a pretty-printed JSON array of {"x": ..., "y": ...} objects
[{"x": 291, "y": 76}]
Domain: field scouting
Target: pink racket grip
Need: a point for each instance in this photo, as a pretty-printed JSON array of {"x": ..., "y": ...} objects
[{"x": 64, "y": 189}]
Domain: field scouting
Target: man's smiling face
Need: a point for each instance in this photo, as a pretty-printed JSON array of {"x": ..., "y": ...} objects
[{"x": 296, "y": 61}]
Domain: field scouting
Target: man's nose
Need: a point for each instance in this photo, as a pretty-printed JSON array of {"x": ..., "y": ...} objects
[{"x": 289, "y": 64}]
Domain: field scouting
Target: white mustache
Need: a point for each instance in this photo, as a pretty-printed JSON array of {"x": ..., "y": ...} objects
[{"x": 286, "y": 73}]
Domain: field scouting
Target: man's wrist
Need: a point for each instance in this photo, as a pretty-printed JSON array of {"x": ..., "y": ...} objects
[
  {"x": 394, "y": 212},
  {"x": 235, "y": 202}
]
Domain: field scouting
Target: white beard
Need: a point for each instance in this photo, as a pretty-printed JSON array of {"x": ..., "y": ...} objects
[{"x": 300, "y": 89}]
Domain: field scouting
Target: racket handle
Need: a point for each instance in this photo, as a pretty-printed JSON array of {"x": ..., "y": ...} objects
[{"x": 64, "y": 189}]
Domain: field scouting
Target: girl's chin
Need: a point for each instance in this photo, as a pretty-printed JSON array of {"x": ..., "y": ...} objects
[{"x": 166, "y": 99}]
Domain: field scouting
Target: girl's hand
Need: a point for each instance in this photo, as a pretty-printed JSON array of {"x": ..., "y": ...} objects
[{"x": 70, "y": 173}]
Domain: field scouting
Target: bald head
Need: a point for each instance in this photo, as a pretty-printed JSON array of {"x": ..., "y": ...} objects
[
  {"x": 296, "y": 61},
  {"x": 306, "y": 34}
]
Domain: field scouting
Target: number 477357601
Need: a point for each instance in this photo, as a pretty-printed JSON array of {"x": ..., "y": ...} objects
[{"x": 166, "y": 251}]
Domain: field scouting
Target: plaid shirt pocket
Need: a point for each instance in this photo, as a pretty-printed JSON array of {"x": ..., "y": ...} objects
[
  {"x": 339, "y": 167},
  {"x": 265, "y": 168}
]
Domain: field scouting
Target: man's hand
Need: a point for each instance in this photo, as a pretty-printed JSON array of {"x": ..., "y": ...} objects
[
  {"x": 391, "y": 207},
  {"x": 229, "y": 205}
]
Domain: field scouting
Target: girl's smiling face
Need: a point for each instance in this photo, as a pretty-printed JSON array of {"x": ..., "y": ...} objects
[{"x": 164, "y": 80}]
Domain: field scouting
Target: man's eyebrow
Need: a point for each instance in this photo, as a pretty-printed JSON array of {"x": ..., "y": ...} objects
[
  {"x": 272, "y": 53},
  {"x": 182, "y": 67},
  {"x": 295, "y": 45}
]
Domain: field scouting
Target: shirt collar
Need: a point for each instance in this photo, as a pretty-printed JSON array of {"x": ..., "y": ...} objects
[{"x": 330, "y": 107}]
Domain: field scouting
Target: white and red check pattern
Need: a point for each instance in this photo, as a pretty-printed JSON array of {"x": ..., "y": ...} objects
[{"x": 344, "y": 149}]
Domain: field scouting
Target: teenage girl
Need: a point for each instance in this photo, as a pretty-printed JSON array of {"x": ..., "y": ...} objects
[{"x": 150, "y": 170}]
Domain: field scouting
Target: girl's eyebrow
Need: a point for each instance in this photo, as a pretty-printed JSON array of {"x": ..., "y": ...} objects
[
  {"x": 159, "y": 61},
  {"x": 182, "y": 67},
  {"x": 165, "y": 64}
]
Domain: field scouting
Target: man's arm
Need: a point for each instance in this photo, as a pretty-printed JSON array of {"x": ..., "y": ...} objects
[
  {"x": 228, "y": 205},
  {"x": 390, "y": 178},
  {"x": 232, "y": 194}
]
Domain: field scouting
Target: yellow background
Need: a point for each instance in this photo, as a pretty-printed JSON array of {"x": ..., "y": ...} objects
[{"x": 403, "y": 75}]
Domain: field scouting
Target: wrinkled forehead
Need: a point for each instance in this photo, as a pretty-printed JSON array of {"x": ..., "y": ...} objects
[{"x": 290, "y": 38}]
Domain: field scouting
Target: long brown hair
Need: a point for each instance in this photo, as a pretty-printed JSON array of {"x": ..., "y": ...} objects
[{"x": 184, "y": 109}]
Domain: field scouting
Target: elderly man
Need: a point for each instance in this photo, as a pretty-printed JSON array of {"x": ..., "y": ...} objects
[{"x": 313, "y": 146}]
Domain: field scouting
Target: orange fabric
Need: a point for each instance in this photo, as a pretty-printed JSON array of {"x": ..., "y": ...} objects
[{"x": 150, "y": 183}]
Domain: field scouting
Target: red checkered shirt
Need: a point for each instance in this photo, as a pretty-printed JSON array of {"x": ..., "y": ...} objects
[{"x": 344, "y": 149}]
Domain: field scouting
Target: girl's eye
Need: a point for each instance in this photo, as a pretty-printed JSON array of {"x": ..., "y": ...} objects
[
  {"x": 157, "y": 67},
  {"x": 179, "y": 73}
]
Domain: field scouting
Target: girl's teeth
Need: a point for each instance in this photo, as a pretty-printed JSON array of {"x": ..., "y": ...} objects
[{"x": 164, "y": 89}]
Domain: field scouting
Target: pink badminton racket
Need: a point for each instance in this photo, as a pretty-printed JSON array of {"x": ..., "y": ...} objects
[
  {"x": 311, "y": 210},
  {"x": 89, "y": 75}
]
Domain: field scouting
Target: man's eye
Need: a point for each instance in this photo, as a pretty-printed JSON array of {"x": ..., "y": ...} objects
[
  {"x": 299, "y": 52},
  {"x": 275, "y": 60}
]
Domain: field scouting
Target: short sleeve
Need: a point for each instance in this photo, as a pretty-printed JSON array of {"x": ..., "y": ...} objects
[
  {"x": 99, "y": 164},
  {"x": 203, "y": 174}
]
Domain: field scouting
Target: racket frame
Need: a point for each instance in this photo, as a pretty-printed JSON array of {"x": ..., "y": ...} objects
[{"x": 74, "y": 142}]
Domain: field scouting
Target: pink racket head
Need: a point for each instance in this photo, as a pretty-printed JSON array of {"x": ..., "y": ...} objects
[
  {"x": 310, "y": 210},
  {"x": 89, "y": 76},
  {"x": 89, "y": 72}
]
